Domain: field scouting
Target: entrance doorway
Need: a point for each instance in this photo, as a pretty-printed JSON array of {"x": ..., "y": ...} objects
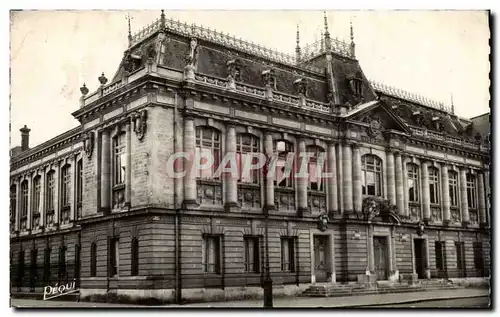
[
  {"x": 381, "y": 257},
  {"x": 460, "y": 248},
  {"x": 321, "y": 263},
  {"x": 420, "y": 257}
]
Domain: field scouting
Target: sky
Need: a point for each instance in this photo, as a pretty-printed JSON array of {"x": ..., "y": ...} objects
[{"x": 431, "y": 53}]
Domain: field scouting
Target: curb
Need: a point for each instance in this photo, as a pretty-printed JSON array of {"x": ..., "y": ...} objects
[{"x": 410, "y": 301}]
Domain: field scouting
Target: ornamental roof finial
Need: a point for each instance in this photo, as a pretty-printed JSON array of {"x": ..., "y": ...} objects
[
  {"x": 327, "y": 34},
  {"x": 452, "y": 106},
  {"x": 162, "y": 19},
  {"x": 352, "y": 33},
  {"x": 298, "y": 37},
  {"x": 128, "y": 17}
]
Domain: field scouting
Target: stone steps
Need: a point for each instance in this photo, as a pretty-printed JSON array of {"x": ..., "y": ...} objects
[{"x": 338, "y": 290}]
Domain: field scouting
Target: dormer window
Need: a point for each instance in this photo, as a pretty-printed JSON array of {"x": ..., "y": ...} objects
[
  {"x": 269, "y": 78},
  {"x": 356, "y": 86},
  {"x": 234, "y": 70},
  {"x": 300, "y": 85},
  {"x": 438, "y": 124}
]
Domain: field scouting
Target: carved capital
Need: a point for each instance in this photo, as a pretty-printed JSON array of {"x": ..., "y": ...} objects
[{"x": 139, "y": 120}]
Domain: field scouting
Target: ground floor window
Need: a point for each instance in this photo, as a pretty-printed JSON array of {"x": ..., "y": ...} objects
[
  {"x": 440, "y": 258},
  {"x": 288, "y": 254},
  {"x": 114, "y": 256},
  {"x": 211, "y": 254},
  {"x": 252, "y": 258},
  {"x": 478, "y": 256}
]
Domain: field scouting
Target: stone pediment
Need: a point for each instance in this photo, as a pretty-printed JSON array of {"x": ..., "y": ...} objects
[{"x": 379, "y": 118}]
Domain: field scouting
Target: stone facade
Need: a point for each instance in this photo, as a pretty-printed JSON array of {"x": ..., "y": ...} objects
[{"x": 136, "y": 233}]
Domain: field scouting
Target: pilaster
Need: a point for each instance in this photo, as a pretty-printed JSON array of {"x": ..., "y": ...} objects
[
  {"x": 105, "y": 172},
  {"x": 391, "y": 187},
  {"x": 231, "y": 180},
  {"x": 426, "y": 203},
  {"x": 400, "y": 194},
  {"x": 347, "y": 177},
  {"x": 445, "y": 197},
  {"x": 464, "y": 206},
  {"x": 191, "y": 169},
  {"x": 332, "y": 181},
  {"x": 481, "y": 199},
  {"x": 356, "y": 177}
]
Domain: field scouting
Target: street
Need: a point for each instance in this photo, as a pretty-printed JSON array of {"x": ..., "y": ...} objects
[{"x": 440, "y": 298}]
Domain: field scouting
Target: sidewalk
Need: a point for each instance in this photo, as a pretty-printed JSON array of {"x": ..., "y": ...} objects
[{"x": 338, "y": 302}]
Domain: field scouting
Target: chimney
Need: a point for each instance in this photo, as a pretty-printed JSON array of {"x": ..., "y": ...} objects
[{"x": 25, "y": 138}]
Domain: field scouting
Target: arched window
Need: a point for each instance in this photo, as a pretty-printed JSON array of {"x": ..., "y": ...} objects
[
  {"x": 93, "y": 259},
  {"x": 208, "y": 146},
  {"x": 413, "y": 183},
  {"x": 246, "y": 146},
  {"x": 24, "y": 198},
  {"x": 134, "y": 270},
  {"x": 79, "y": 188},
  {"x": 50, "y": 197},
  {"x": 12, "y": 209},
  {"x": 24, "y": 204},
  {"x": 284, "y": 171},
  {"x": 66, "y": 186},
  {"x": 471, "y": 191},
  {"x": 434, "y": 185},
  {"x": 315, "y": 168},
  {"x": 371, "y": 167},
  {"x": 453, "y": 188},
  {"x": 36, "y": 201},
  {"x": 119, "y": 170}
]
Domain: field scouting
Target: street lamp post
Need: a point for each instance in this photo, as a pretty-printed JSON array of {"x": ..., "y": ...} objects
[{"x": 268, "y": 282}]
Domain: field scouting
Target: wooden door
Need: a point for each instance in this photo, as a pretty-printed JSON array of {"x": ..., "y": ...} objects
[
  {"x": 320, "y": 263},
  {"x": 381, "y": 254}
]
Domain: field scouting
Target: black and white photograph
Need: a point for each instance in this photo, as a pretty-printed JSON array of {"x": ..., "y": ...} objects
[{"x": 255, "y": 159}]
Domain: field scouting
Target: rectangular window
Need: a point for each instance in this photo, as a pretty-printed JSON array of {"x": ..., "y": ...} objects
[
  {"x": 440, "y": 250},
  {"x": 134, "y": 270},
  {"x": 288, "y": 254},
  {"x": 24, "y": 198},
  {"x": 33, "y": 254},
  {"x": 315, "y": 168},
  {"x": 284, "y": 172},
  {"x": 434, "y": 185},
  {"x": 471, "y": 191},
  {"x": 246, "y": 146},
  {"x": 13, "y": 202},
  {"x": 46, "y": 265},
  {"x": 66, "y": 186},
  {"x": 62, "y": 262},
  {"x": 252, "y": 254},
  {"x": 114, "y": 256},
  {"x": 120, "y": 159},
  {"x": 210, "y": 253},
  {"x": 453, "y": 188},
  {"x": 50, "y": 190},
  {"x": 37, "y": 189},
  {"x": 20, "y": 273},
  {"x": 371, "y": 175},
  {"x": 93, "y": 259},
  {"x": 208, "y": 148},
  {"x": 413, "y": 184},
  {"x": 478, "y": 256}
]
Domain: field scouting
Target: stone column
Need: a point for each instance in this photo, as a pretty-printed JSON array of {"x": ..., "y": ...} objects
[
  {"x": 192, "y": 166},
  {"x": 400, "y": 194},
  {"x": 231, "y": 180},
  {"x": 332, "y": 180},
  {"x": 371, "y": 257},
  {"x": 464, "y": 206},
  {"x": 268, "y": 148},
  {"x": 128, "y": 180},
  {"x": 30, "y": 194},
  {"x": 42, "y": 197},
  {"x": 57, "y": 182},
  {"x": 357, "y": 189},
  {"x": 17, "y": 222},
  {"x": 395, "y": 271},
  {"x": 391, "y": 186},
  {"x": 481, "y": 200},
  {"x": 406, "y": 211},
  {"x": 340, "y": 177},
  {"x": 426, "y": 202},
  {"x": 487, "y": 192},
  {"x": 347, "y": 177},
  {"x": 180, "y": 163},
  {"x": 445, "y": 197},
  {"x": 105, "y": 172},
  {"x": 302, "y": 181},
  {"x": 72, "y": 198}
]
